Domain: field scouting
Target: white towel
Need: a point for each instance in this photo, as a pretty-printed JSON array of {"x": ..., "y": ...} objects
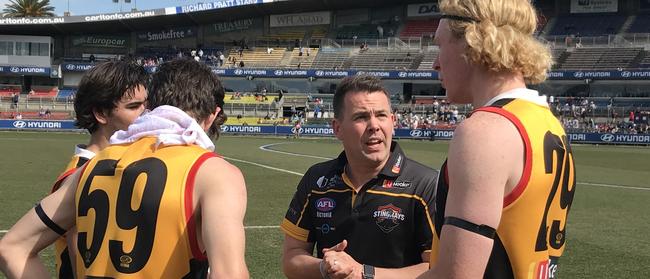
[{"x": 171, "y": 125}]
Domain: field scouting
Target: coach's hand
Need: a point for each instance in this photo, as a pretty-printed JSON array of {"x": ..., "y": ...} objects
[{"x": 339, "y": 264}]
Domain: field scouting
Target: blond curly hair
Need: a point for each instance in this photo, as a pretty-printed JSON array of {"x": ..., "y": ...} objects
[{"x": 500, "y": 36}]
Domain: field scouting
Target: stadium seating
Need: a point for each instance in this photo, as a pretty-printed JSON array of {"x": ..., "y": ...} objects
[
  {"x": 385, "y": 59},
  {"x": 600, "y": 58},
  {"x": 257, "y": 57},
  {"x": 6, "y": 92},
  {"x": 304, "y": 61},
  {"x": 43, "y": 93},
  {"x": 230, "y": 99},
  {"x": 330, "y": 58},
  {"x": 645, "y": 61},
  {"x": 640, "y": 25},
  {"x": 56, "y": 115},
  {"x": 419, "y": 28},
  {"x": 588, "y": 25},
  {"x": 65, "y": 94},
  {"x": 362, "y": 31},
  {"x": 428, "y": 59}
]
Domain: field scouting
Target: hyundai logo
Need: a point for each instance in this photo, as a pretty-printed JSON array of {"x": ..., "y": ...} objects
[
  {"x": 239, "y": 72},
  {"x": 607, "y": 137},
  {"x": 402, "y": 74},
  {"x": 416, "y": 133},
  {"x": 579, "y": 74},
  {"x": 278, "y": 72},
  {"x": 293, "y": 130},
  {"x": 626, "y": 74},
  {"x": 14, "y": 69},
  {"x": 224, "y": 129},
  {"x": 70, "y": 67},
  {"x": 320, "y": 73},
  {"x": 20, "y": 124}
]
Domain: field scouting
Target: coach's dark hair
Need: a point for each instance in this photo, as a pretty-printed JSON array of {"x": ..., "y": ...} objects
[
  {"x": 190, "y": 86},
  {"x": 359, "y": 83},
  {"x": 103, "y": 86}
]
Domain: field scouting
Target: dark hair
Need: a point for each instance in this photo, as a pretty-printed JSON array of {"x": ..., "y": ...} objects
[
  {"x": 360, "y": 83},
  {"x": 190, "y": 86},
  {"x": 103, "y": 86}
]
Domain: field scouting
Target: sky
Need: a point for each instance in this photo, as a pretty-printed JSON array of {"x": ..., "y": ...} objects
[{"x": 87, "y": 7}]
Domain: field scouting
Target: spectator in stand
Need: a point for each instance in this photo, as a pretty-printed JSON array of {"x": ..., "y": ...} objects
[
  {"x": 241, "y": 64},
  {"x": 14, "y": 100}
]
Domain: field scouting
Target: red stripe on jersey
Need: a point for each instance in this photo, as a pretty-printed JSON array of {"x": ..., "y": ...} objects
[
  {"x": 62, "y": 177},
  {"x": 528, "y": 154},
  {"x": 189, "y": 206}
]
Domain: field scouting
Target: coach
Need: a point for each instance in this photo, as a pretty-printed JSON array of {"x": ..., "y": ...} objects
[{"x": 369, "y": 211}]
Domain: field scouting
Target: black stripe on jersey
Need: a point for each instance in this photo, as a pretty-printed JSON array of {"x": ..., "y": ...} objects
[
  {"x": 81, "y": 162},
  {"x": 499, "y": 265},
  {"x": 65, "y": 271},
  {"x": 502, "y": 103}
]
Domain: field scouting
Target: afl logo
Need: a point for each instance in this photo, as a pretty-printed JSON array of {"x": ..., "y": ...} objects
[
  {"x": 20, "y": 124},
  {"x": 416, "y": 133},
  {"x": 325, "y": 204},
  {"x": 14, "y": 69},
  {"x": 626, "y": 74},
  {"x": 239, "y": 72},
  {"x": 607, "y": 137},
  {"x": 278, "y": 72},
  {"x": 402, "y": 74},
  {"x": 70, "y": 67},
  {"x": 579, "y": 74},
  {"x": 320, "y": 73}
]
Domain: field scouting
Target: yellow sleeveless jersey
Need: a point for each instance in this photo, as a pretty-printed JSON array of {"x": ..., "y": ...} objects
[
  {"x": 63, "y": 265},
  {"x": 532, "y": 232},
  {"x": 135, "y": 217}
]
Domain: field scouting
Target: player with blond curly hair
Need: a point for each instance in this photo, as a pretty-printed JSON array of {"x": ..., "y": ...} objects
[{"x": 505, "y": 191}]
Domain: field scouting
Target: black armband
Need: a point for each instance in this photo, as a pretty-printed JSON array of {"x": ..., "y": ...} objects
[
  {"x": 47, "y": 221},
  {"x": 483, "y": 230}
]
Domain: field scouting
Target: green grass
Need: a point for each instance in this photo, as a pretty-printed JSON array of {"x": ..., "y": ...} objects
[{"x": 607, "y": 233}]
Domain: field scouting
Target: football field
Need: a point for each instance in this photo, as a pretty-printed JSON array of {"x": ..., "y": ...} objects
[{"x": 609, "y": 224}]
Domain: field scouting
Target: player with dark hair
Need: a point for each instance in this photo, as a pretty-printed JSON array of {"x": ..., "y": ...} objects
[
  {"x": 368, "y": 212},
  {"x": 156, "y": 203},
  {"x": 110, "y": 97}
]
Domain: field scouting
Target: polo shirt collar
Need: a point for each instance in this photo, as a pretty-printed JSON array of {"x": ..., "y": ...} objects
[{"x": 393, "y": 168}]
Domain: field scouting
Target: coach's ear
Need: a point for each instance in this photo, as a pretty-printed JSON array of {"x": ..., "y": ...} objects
[
  {"x": 101, "y": 115},
  {"x": 336, "y": 126}
]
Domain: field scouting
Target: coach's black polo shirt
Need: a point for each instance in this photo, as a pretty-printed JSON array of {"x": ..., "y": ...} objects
[{"x": 387, "y": 224}]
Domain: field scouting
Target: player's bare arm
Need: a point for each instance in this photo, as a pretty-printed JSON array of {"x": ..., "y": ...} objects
[
  {"x": 485, "y": 163},
  {"x": 220, "y": 197},
  {"x": 19, "y": 248}
]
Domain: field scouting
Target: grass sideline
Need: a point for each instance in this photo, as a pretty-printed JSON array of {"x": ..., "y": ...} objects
[{"x": 607, "y": 233}]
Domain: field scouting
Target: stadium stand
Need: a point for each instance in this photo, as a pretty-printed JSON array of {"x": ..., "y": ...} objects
[
  {"x": 385, "y": 59},
  {"x": 419, "y": 28},
  {"x": 43, "y": 93},
  {"x": 7, "y": 92},
  {"x": 641, "y": 24},
  {"x": 600, "y": 58},
  {"x": 588, "y": 24},
  {"x": 304, "y": 60},
  {"x": 645, "y": 61},
  {"x": 65, "y": 95},
  {"x": 256, "y": 57},
  {"x": 428, "y": 58},
  {"x": 329, "y": 58}
]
